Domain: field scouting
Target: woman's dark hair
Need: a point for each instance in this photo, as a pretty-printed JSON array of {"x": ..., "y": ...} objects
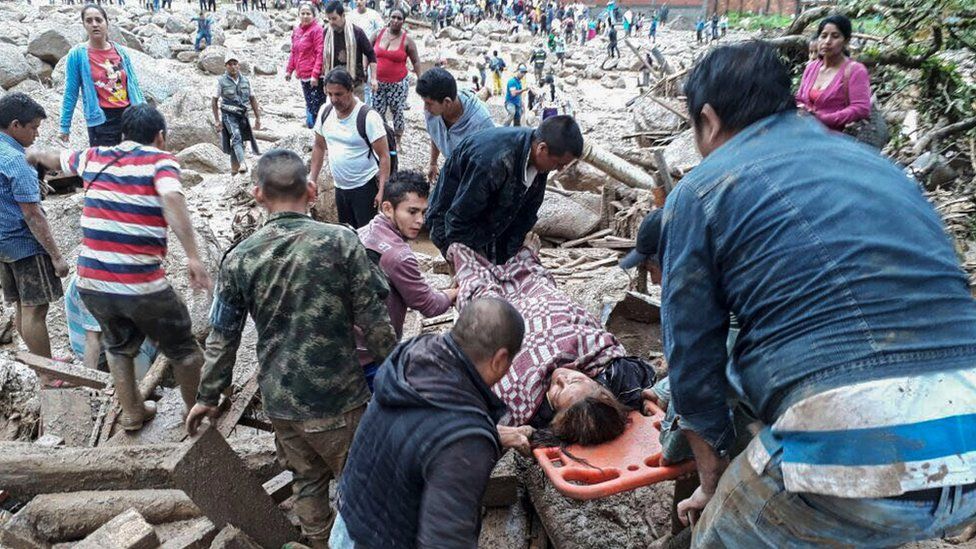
[
  {"x": 100, "y": 9},
  {"x": 141, "y": 123},
  {"x": 403, "y": 182},
  {"x": 339, "y": 76},
  {"x": 593, "y": 420},
  {"x": 308, "y": 5},
  {"x": 437, "y": 84},
  {"x": 842, "y": 23},
  {"x": 743, "y": 83}
]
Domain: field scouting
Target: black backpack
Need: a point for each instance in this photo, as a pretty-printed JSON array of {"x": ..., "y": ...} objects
[{"x": 361, "y": 127}]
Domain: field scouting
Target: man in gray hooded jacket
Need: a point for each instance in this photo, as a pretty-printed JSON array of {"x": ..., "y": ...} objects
[{"x": 451, "y": 115}]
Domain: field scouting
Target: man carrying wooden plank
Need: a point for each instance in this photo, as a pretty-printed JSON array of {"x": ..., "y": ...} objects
[{"x": 305, "y": 284}]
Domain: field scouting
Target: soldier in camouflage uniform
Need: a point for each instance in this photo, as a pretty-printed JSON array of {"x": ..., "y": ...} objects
[{"x": 305, "y": 284}]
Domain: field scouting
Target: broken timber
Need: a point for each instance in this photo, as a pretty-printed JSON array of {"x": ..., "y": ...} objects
[
  {"x": 228, "y": 421},
  {"x": 616, "y": 167},
  {"x": 76, "y": 375}
]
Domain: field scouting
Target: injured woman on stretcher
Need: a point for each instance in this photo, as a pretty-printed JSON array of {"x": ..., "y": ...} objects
[{"x": 572, "y": 382}]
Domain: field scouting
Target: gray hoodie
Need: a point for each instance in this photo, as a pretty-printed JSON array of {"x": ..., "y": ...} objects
[{"x": 474, "y": 119}]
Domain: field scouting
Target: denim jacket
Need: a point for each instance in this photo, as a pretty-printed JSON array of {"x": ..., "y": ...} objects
[
  {"x": 836, "y": 266},
  {"x": 77, "y": 74}
]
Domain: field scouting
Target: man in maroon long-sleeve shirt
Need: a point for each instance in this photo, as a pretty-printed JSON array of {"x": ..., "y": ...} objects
[{"x": 386, "y": 241}]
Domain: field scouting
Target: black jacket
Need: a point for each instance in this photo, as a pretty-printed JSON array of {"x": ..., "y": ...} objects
[
  {"x": 423, "y": 452},
  {"x": 482, "y": 200}
]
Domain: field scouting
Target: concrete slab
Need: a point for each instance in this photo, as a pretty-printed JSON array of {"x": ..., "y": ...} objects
[
  {"x": 67, "y": 413},
  {"x": 214, "y": 477},
  {"x": 53, "y": 518},
  {"x": 129, "y": 530},
  {"x": 231, "y": 537},
  {"x": 193, "y": 534}
]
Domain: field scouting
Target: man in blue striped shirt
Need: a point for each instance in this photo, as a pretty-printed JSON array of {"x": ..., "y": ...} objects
[
  {"x": 30, "y": 263},
  {"x": 857, "y": 347}
]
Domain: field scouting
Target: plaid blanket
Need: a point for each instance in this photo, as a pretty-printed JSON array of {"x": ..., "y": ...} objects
[{"x": 558, "y": 332}]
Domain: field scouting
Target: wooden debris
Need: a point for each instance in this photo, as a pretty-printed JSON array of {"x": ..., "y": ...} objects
[
  {"x": 585, "y": 239},
  {"x": 440, "y": 319},
  {"x": 76, "y": 375},
  {"x": 227, "y": 421},
  {"x": 279, "y": 487},
  {"x": 66, "y": 414},
  {"x": 129, "y": 530}
]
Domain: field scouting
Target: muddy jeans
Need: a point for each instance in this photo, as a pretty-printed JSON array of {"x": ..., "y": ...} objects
[
  {"x": 755, "y": 510},
  {"x": 315, "y": 451}
]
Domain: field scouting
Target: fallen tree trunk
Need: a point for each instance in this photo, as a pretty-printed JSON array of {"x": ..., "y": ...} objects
[
  {"x": 55, "y": 518},
  {"x": 27, "y": 470},
  {"x": 616, "y": 167}
]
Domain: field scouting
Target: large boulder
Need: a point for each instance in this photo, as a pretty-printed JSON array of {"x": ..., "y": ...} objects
[
  {"x": 217, "y": 34},
  {"x": 176, "y": 25},
  {"x": 14, "y": 67},
  {"x": 682, "y": 153},
  {"x": 204, "y": 158},
  {"x": 13, "y": 34},
  {"x": 146, "y": 31},
  {"x": 452, "y": 33},
  {"x": 39, "y": 69},
  {"x": 212, "y": 60},
  {"x": 51, "y": 43},
  {"x": 158, "y": 47},
  {"x": 188, "y": 114},
  {"x": 258, "y": 20},
  {"x": 252, "y": 34},
  {"x": 488, "y": 26},
  {"x": 562, "y": 217},
  {"x": 132, "y": 41}
]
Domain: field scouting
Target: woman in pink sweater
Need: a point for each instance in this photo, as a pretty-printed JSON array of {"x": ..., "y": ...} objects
[
  {"x": 835, "y": 89},
  {"x": 306, "y": 60}
]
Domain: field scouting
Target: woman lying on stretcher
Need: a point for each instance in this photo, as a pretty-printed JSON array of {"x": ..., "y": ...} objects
[{"x": 572, "y": 378}]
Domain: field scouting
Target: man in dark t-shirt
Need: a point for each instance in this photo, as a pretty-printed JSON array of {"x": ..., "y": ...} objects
[{"x": 346, "y": 45}]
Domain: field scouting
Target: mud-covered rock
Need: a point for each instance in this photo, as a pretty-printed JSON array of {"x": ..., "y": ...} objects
[
  {"x": 14, "y": 67},
  {"x": 211, "y": 60},
  {"x": 204, "y": 158},
  {"x": 51, "y": 43}
]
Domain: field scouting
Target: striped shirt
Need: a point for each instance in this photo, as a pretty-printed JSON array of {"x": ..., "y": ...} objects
[
  {"x": 878, "y": 438},
  {"x": 122, "y": 223}
]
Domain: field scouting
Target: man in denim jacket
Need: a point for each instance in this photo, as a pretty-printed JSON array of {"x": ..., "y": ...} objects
[{"x": 858, "y": 331}]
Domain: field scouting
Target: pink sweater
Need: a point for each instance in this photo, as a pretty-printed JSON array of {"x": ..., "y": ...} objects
[
  {"x": 838, "y": 104},
  {"x": 306, "y": 51},
  {"x": 408, "y": 289}
]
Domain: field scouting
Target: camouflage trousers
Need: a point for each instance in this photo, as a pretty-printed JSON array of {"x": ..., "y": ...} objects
[{"x": 315, "y": 452}]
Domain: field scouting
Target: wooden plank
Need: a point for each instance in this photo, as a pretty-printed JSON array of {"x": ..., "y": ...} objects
[
  {"x": 76, "y": 375},
  {"x": 279, "y": 487},
  {"x": 682, "y": 115},
  {"x": 227, "y": 422},
  {"x": 587, "y": 238},
  {"x": 66, "y": 413},
  {"x": 614, "y": 244}
]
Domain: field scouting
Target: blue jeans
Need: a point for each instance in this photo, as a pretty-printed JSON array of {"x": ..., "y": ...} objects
[
  {"x": 755, "y": 510},
  {"x": 339, "y": 539}
]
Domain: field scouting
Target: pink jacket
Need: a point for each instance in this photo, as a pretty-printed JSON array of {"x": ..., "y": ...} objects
[
  {"x": 840, "y": 103},
  {"x": 306, "y": 51},
  {"x": 407, "y": 285}
]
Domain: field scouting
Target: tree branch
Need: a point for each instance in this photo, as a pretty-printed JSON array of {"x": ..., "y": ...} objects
[{"x": 942, "y": 133}]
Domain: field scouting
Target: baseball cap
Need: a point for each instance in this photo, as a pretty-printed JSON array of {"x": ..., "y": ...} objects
[
  {"x": 230, "y": 56},
  {"x": 522, "y": 68},
  {"x": 648, "y": 240}
]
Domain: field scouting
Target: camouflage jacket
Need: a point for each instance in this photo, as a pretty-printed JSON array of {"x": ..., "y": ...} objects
[{"x": 305, "y": 284}]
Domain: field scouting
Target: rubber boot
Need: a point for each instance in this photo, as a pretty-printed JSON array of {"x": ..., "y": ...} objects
[
  {"x": 135, "y": 411},
  {"x": 187, "y": 376}
]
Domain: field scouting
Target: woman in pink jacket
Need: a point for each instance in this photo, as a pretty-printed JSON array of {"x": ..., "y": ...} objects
[
  {"x": 835, "y": 88},
  {"x": 306, "y": 60}
]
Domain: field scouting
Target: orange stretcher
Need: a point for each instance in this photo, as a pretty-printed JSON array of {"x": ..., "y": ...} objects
[{"x": 630, "y": 461}]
